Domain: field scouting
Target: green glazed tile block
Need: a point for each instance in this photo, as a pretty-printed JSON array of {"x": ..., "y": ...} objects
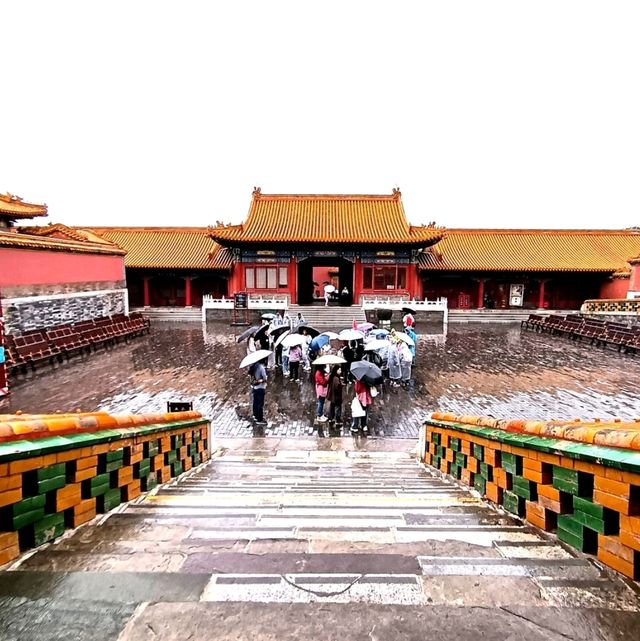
[
  {"x": 176, "y": 468},
  {"x": 569, "y": 523},
  {"x": 148, "y": 483},
  {"x": 608, "y": 525},
  {"x": 524, "y": 488},
  {"x": 196, "y": 460},
  {"x": 480, "y": 484},
  {"x": 98, "y": 490},
  {"x": 51, "y": 471},
  {"x": 566, "y": 486},
  {"x": 17, "y": 522},
  {"x": 170, "y": 457},
  {"x": 565, "y": 474},
  {"x": 510, "y": 463},
  {"x": 455, "y": 444},
  {"x": 98, "y": 480},
  {"x": 435, "y": 438},
  {"x": 109, "y": 500},
  {"x": 116, "y": 455},
  {"x": 112, "y": 466},
  {"x": 568, "y": 537},
  {"x": 513, "y": 503},
  {"x": 27, "y": 505},
  {"x": 150, "y": 448},
  {"x": 486, "y": 471},
  {"x": 192, "y": 449},
  {"x": 588, "y": 507},
  {"x": 142, "y": 469},
  {"x": 176, "y": 442},
  {"x": 461, "y": 460},
  {"x": 46, "y": 485},
  {"x": 478, "y": 452},
  {"x": 48, "y": 528}
]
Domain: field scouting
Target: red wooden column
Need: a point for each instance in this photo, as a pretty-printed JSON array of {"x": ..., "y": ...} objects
[
  {"x": 145, "y": 290},
  {"x": 541, "y": 294},
  {"x": 187, "y": 291},
  {"x": 481, "y": 282},
  {"x": 4, "y": 386}
]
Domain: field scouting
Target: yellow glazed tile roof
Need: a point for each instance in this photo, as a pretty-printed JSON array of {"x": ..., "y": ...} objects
[
  {"x": 277, "y": 218},
  {"x": 19, "y": 240},
  {"x": 168, "y": 247},
  {"x": 532, "y": 250},
  {"x": 13, "y": 207}
]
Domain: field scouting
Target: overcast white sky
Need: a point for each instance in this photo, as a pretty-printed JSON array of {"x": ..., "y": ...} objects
[{"x": 485, "y": 114}]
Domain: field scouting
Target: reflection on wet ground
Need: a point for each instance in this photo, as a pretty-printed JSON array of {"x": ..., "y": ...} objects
[{"x": 484, "y": 369}]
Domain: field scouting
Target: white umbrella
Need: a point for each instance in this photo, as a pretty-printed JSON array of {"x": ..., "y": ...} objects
[
  {"x": 350, "y": 335},
  {"x": 405, "y": 337},
  {"x": 294, "y": 339},
  {"x": 329, "y": 289},
  {"x": 331, "y": 335},
  {"x": 281, "y": 337},
  {"x": 375, "y": 344},
  {"x": 329, "y": 359},
  {"x": 254, "y": 357}
]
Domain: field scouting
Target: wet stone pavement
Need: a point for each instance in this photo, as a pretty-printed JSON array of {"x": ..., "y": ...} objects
[
  {"x": 473, "y": 369},
  {"x": 312, "y": 539}
]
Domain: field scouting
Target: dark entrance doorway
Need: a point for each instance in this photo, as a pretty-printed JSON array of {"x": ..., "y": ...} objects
[{"x": 339, "y": 271}]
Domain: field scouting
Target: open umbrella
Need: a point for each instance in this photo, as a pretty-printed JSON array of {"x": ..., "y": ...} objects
[
  {"x": 318, "y": 342},
  {"x": 329, "y": 289},
  {"x": 379, "y": 332},
  {"x": 261, "y": 332},
  {"x": 254, "y": 357},
  {"x": 350, "y": 335},
  {"x": 247, "y": 332},
  {"x": 375, "y": 344},
  {"x": 268, "y": 316},
  {"x": 281, "y": 338},
  {"x": 293, "y": 339},
  {"x": 311, "y": 331},
  {"x": 364, "y": 327},
  {"x": 329, "y": 359},
  {"x": 408, "y": 310},
  {"x": 276, "y": 331},
  {"x": 406, "y": 338},
  {"x": 331, "y": 335},
  {"x": 367, "y": 372}
]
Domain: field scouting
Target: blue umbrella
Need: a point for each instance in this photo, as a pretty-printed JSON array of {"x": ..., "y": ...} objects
[
  {"x": 379, "y": 332},
  {"x": 318, "y": 342}
]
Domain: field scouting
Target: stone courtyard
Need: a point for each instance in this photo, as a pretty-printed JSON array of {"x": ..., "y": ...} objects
[{"x": 473, "y": 369}]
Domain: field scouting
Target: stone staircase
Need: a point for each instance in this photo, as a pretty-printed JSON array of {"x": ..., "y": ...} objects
[
  {"x": 495, "y": 315},
  {"x": 334, "y": 318},
  {"x": 300, "y": 539},
  {"x": 170, "y": 313}
]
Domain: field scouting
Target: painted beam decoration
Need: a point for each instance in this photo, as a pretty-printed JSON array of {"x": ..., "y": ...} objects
[
  {"x": 578, "y": 479},
  {"x": 58, "y": 471}
]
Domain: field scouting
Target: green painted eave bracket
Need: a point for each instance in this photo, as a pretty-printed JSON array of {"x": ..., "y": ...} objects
[
  {"x": 614, "y": 457},
  {"x": 14, "y": 450}
]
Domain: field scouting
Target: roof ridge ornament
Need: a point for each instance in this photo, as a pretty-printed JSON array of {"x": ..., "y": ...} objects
[
  {"x": 396, "y": 193},
  {"x": 257, "y": 192}
]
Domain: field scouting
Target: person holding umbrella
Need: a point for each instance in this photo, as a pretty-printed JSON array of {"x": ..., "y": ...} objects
[
  {"x": 334, "y": 395},
  {"x": 258, "y": 377},
  {"x": 321, "y": 380},
  {"x": 295, "y": 356},
  {"x": 367, "y": 375}
]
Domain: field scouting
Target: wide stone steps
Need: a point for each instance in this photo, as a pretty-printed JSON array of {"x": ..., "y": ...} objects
[
  {"x": 349, "y": 531},
  {"x": 329, "y": 317}
]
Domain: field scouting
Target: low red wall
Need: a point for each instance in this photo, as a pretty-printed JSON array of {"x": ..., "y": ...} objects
[{"x": 35, "y": 267}]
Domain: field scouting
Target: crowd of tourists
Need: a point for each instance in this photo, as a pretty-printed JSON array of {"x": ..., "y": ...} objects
[{"x": 354, "y": 365}]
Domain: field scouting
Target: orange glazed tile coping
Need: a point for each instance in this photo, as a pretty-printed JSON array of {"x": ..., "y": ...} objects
[
  {"x": 29, "y": 427},
  {"x": 30, "y": 241},
  {"x": 607, "y": 433}
]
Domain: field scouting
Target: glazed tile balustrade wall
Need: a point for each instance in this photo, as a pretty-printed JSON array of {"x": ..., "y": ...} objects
[
  {"x": 580, "y": 480},
  {"x": 611, "y": 306},
  {"x": 59, "y": 471}
]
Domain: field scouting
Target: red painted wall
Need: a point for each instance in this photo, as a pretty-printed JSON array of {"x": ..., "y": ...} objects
[
  {"x": 634, "y": 281},
  {"x": 615, "y": 288},
  {"x": 34, "y": 267}
]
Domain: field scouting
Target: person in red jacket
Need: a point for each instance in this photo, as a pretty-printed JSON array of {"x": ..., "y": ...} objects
[
  {"x": 363, "y": 394},
  {"x": 321, "y": 379}
]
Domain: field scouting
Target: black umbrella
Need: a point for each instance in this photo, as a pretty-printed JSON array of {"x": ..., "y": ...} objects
[
  {"x": 247, "y": 332},
  {"x": 276, "y": 331},
  {"x": 311, "y": 331},
  {"x": 261, "y": 332},
  {"x": 408, "y": 310},
  {"x": 367, "y": 372}
]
